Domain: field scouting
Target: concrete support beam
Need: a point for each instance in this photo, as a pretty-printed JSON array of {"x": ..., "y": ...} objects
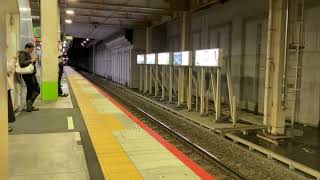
[
  {"x": 149, "y": 40},
  {"x": 7, "y": 31},
  {"x": 13, "y": 34},
  {"x": 273, "y": 114},
  {"x": 185, "y": 45},
  {"x": 186, "y": 31},
  {"x": 50, "y": 38},
  {"x": 3, "y": 98}
]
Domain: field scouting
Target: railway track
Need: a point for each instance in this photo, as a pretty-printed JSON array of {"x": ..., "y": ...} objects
[{"x": 154, "y": 116}]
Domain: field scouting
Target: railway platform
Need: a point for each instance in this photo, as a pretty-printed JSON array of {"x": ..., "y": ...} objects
[{"x": 89, "y": 135}]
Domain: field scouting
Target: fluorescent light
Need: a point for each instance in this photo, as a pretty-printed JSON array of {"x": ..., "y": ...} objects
[
  {"x": 68, "y": 21},
  {"x": 70, "y": 12}
]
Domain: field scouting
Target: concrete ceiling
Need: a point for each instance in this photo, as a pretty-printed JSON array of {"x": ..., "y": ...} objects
[{"x": 99, "y": 19}]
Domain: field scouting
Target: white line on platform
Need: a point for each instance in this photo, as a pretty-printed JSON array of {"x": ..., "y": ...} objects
[{"x": 70, "y": 123}]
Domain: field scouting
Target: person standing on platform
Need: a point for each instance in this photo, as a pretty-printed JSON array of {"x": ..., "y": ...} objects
[
  {"x": 10, "y": 86},
  {"x": 33, "y": 88},
  {"x": 61, "y": 64},
  {"x": 16, "y": 79}
]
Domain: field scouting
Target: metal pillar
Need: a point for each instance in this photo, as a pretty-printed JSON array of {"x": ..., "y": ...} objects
[
  {"x": 181, "y": 86},
  {"x": 146, "y": 79},
  {"x": 162, "y": 82},
  {"x": 150, "y": 79},
  {"x": 93, "y": 59},
  {"x": 156, "y": 85},
  {"x": 141, "y": 78},
  {"x": 218, "y": 95},
  {"x": 202, "y": 79},
  {"x": 170, "y": 83},
  {"x": 190, "y": 90}
]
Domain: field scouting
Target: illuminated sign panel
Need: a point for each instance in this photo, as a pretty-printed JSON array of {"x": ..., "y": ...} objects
[
  {"x": 208, "y": 57},
  {"x": 164, "y": 58},
  {"x": 140, "y": 59},
  {"x": 151, "y": 59},
  {"x": 182, "y": 58}
]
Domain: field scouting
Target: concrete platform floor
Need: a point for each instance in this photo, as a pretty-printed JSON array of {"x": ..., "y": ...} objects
[
  {"x": 47, "y": 156},
  {"x": 46, "y": 145}
]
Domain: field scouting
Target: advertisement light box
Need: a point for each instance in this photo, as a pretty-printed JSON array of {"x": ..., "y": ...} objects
[
  {"x": 164, "y": 58},
  {"x": 141, "y": 59},
  {"x": 209, "y": 57},
  {"x": 151, "y": 59},
  {"x": 182, "y": 58}
]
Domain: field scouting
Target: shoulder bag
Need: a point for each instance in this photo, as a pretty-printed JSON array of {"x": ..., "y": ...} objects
[{"x": 26, "y": 70}]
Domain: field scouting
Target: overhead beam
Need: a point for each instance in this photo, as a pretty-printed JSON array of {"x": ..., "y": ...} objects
[
  {"x": 117, "y": 11},
  {"x": 117, "y": 6},
  {"x": 113, "y": 17},
  {"x": 122, "y": 25},
  {"x": 112, "y": 8}
]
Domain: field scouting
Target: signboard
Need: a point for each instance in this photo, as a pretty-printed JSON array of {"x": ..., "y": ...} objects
[
  {"x": 182, "y": 58},
  {"x": 208, "y": 57},
  {"x": 140, "y": 59},
  {"x": 164, "y": 58},
  {"x": 151, "y": 59}
]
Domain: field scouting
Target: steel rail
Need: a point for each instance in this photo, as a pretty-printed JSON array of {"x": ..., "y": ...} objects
[{"x": 234, "y": 173}]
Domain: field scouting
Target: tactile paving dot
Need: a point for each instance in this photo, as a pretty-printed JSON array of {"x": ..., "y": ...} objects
[{"x": 126, "y": 121}]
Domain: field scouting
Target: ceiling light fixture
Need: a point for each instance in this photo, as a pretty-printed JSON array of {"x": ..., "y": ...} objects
[
  {"x": 88, "y": 39},
  {"x": 68, "y": 21},
  {"x": 70, "y": 12}
]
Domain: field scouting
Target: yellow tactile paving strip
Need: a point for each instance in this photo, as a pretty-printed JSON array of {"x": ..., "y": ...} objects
[
  {"x": 101, "y": 123},
  {"x": 124, "y": 150}
]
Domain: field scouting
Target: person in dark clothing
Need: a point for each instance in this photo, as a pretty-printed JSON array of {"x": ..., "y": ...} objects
[
  {"x": 33, "y": 88},
  {"x": 61, "y": 64}
]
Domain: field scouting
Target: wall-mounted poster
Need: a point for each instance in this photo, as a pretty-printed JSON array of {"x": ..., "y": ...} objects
[
  {"x": 140, "y": 59},
  {"x": 182, "y": 58},
  {"x": 151, "y": 59},
  {"x": 208, "y": 57},
  {"x": 164, "y": 58}
]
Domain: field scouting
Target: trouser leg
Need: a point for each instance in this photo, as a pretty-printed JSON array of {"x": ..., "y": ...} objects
[
  {"x": 60, "y": 92},
  {"x": 11, "y": 116},
  {"x": 36, "y": 89},
  {"x": 28, "y": 80}
]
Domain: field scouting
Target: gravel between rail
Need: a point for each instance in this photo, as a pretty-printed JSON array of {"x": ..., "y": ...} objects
[{"x": 250, "y": 164}]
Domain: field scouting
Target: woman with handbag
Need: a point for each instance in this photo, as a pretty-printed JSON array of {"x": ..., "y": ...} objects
[
  {"x": 10, "y": 87},
  {"x": 26, "y": 62}
]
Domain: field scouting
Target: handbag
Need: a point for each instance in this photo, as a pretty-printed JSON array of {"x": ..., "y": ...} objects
[{"x": 26, "y": 70}]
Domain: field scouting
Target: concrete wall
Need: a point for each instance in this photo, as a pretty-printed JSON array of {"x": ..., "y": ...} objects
[
  {"x": 310, "y": 87},
  {"x": 240, "y": 28},
  {"x": 116, "y": 59}
]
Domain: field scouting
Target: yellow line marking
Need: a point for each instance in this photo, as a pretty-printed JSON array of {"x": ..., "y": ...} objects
[{"x": 70, "y": 123}]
